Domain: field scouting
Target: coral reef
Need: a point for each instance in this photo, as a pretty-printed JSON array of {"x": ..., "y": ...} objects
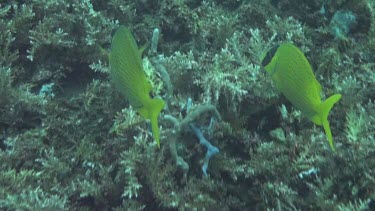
[{"x": 70, "y": 141}]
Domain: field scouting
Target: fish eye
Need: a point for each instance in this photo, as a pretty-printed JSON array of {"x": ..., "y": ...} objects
[{"x": 270, "y": 54}]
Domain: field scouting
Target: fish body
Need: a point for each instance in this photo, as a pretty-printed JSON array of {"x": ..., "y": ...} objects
[
  {"x": 294, "y": 78},
  {"x": 127, "y": 74}
]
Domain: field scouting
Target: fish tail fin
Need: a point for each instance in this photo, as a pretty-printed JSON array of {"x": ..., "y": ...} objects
[
  {"x": 327, "y": 130},
  {"x": 322, "y": 117},
  {"x": 152, "y": 112}
]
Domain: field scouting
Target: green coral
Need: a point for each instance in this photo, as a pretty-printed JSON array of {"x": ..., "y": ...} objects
[
  {"x": 35, "y": 199},
  {"x": 356, "y": 125}
]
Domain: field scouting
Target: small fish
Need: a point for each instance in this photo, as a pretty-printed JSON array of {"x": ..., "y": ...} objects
[
  {"x": 128, "y": 76},
  {"x": 294, "y": 78}
]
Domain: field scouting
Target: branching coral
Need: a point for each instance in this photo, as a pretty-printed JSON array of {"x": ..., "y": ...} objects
[
  {"x": 86, "y": 149},
  {"x": 181, "y": 126},
  {"x": 290, "y": 30}
]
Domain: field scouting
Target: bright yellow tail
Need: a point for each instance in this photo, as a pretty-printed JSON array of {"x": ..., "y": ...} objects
[
  {"x": 322, "y": 117},
  {"x": 151, "y": 111}
]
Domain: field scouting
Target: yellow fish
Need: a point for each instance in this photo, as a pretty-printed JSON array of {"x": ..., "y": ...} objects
[
  {"x": 128, "y": 75},
  {"x": 294, "y": 78}
]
